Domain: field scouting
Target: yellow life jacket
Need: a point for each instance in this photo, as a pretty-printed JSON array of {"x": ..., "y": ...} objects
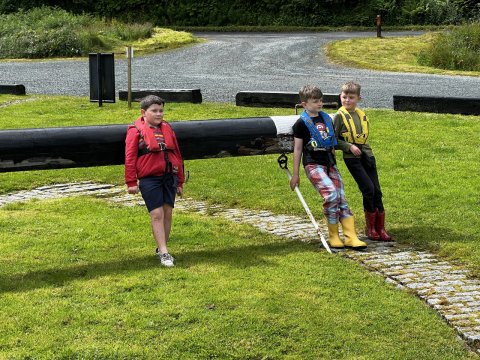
[{"x": 351, "y": 134}]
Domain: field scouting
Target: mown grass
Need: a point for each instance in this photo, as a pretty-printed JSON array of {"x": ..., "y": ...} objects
[
  {"x": 399, "y": 54},
  {"x": 79, "y": 280},
  {"x": 78, "y": 277},
  {"x": 32, "y": 111},
  {"x": 427, "y": 176}
]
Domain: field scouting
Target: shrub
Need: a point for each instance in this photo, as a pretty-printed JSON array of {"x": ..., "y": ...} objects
[
  {"x": 267, "y": 12},
  {"x": 455, "y": 50},
  {"x": 39, "y": 33},
  {"x": 50, "y": 32}
]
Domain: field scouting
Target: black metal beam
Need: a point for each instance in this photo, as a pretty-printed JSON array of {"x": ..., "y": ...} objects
[{"x": 83, "y": 146}]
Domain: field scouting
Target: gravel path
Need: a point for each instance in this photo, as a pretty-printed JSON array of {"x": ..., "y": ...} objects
[{"x": 228, "y": 63}]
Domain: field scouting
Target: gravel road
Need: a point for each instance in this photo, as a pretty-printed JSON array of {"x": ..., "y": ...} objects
[{"x": 228, "y": 63}]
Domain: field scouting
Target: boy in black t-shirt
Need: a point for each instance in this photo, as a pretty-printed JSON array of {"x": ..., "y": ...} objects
[{"x": 314, "y": 138}]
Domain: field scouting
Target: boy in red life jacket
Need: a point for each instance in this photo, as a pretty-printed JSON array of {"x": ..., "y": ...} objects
[
  {"x": 352, "y": 131},
  {"x": 314, "y": 142},
  {"x": 154, "y": 165}
]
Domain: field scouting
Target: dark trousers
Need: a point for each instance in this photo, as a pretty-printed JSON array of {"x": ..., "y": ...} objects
[{"x": 364, "y": 171}]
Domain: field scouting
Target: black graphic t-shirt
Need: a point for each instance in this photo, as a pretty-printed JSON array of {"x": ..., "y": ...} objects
[{"x": 300, "y": 130}]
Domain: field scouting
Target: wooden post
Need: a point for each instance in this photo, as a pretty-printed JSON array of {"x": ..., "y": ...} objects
[
  {"x": 378, "y": 21},
  {"x": 129, "y": 57}
]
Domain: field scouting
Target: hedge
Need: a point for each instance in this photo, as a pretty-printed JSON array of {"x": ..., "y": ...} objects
[{"x": 267, "y": 12}]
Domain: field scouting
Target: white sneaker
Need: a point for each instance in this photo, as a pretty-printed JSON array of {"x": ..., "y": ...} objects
[{"x": 166, "y": 260}]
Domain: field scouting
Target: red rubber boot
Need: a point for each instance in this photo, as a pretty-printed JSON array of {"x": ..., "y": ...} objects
[
  {"x": 380, "y": 226},
  {"x": 370, "y": 230}
]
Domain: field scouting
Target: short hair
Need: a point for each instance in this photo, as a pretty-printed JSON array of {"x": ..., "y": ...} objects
[
  {"x": 149, "y": 100},
  {"x": 310, "y": 92},
  {"x": 351, "y": 87}
]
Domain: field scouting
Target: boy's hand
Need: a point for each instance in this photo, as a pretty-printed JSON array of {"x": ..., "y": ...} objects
[
  {"x": 355, "y": 150},
  {"x": 179, "y": 191},
  {"x": 132, "y": 189},
  {"x": 294, "y": 181}
]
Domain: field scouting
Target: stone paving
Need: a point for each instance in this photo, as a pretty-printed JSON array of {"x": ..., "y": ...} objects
[{"x": 445, "y": 287}]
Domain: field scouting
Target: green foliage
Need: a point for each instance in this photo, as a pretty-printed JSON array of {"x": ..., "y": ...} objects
[
  {"x": 469, "y": 9},
  {"x": 52, "y": 32},
  {"x": 268, "y": 12},
  {"x": 458, "y": 49},
  {"x": 435, "y": 12},
  {"x": 130, "y": 32},
  {"x": 40, "y": 32}
]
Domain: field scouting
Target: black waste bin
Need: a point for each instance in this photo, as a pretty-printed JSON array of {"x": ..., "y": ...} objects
[{"x": 102, "y": 77}]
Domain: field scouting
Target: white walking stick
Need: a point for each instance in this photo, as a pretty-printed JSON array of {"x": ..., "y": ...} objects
[{"x": 282, "y": 162}]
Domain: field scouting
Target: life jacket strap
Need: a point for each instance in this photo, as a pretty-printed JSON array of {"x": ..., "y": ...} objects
[
  {"x": 351, "y": 134},
  {"x": 317, "y": 142},
  {"x": 162, "y": 146}
]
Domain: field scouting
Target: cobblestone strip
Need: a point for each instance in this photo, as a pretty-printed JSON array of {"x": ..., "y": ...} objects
[
  {"x": 443, "y": 286},
  {"x": 60, "y": 191}
]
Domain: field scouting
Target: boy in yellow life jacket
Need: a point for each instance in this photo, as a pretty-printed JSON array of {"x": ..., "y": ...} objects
[
  {"x": 352, "y": 131},
  {"x": 314, "y": 142}
]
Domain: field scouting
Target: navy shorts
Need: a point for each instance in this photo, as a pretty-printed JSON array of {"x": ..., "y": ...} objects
[{"x": 158, "y": 190}]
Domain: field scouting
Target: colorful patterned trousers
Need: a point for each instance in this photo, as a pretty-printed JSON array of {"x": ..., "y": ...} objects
[{"x": 329, "y": 184}]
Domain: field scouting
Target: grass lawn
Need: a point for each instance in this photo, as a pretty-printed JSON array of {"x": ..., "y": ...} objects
[
  {"x": 78, "y": 278},
  {"x": 387, "y": 54}
]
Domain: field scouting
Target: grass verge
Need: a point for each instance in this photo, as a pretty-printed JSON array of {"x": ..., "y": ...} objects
[
  {"x": 398, "y": 54},
  {"x": 92, "y": 289},
  {"x": 32, "y": 111},
  {"x": 430, "y": 193}
]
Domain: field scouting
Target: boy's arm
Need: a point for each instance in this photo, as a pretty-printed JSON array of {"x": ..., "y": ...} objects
[
  {"x": 181, "y": 172},
  {"x": 297, "y": 156},
  {"x": 131, "y": 151}
]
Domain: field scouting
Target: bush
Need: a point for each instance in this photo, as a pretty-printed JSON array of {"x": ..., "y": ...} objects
[
  {"x": 433, "y": 12},
  {"x": 455, "y": 50},
  {"x": 39, "y": 33},
  {"x": 267, "y": 12},
  {"x": 53, "y": 32}
]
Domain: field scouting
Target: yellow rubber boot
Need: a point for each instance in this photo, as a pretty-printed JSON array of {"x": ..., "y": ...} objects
[
  {"x": 333, "y": 238},
  {"x": 351, "y": 239}
]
